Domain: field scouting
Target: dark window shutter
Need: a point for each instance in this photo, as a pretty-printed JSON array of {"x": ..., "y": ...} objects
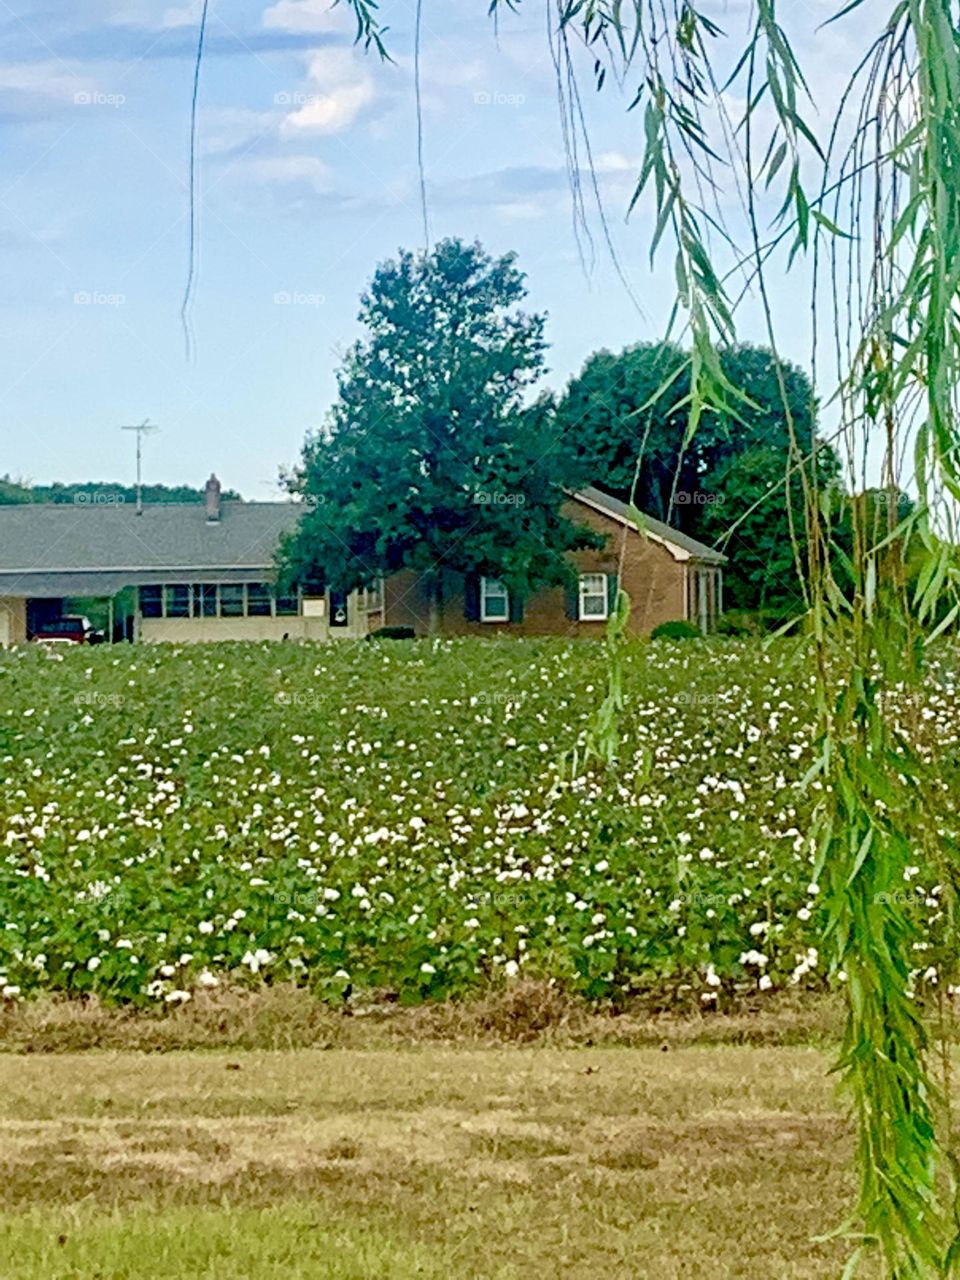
[
  {"x": 471, "y": 597},
  {"x": 573, "y": 599},
  {"x": 516, "y": 606},
  {"x": 612, "y": 593}
]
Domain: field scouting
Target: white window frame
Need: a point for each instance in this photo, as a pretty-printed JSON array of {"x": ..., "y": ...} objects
[
  {"x": 500, "y": 592},
  {"x": 583, "y": 594}
]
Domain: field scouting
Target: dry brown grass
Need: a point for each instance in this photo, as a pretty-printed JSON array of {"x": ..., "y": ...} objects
[
  {"x": 722, "y": 1162},
  {"x": 287, "y": 1017}
]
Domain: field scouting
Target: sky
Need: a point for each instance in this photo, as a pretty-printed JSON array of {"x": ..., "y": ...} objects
[{"x": 307, "y": 178}]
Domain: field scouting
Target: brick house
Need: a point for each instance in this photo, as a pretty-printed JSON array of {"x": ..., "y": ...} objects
[
  {"x": 667, "y": 575},
  {"x": 204, "y": 571}
]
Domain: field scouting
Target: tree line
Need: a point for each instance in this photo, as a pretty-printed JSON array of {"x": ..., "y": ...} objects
[{"x": 17, "y": 492}]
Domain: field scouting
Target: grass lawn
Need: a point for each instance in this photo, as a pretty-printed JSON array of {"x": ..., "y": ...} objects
[{"x": 674, "y": 1161}]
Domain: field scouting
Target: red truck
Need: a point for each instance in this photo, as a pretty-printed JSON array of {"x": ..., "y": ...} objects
[{"x": 69, "y": 630}]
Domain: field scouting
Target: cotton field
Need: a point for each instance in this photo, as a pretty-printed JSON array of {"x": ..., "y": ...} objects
[{"x": 405, "y": 821}]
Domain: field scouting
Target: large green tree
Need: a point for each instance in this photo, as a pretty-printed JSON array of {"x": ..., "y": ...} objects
[
  {"x": 730, "y": 474},
  {"x": 436, "y": 457}
]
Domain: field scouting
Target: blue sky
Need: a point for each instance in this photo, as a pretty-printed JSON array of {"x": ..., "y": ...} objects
[{"x": 307, "y": 179}]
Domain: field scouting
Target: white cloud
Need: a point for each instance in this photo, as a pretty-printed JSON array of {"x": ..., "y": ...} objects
[
  {"x": 338, "y": 89},
  {"x": 141, "y": 16},
  {"x": 43, "y": 80},
  {"x": 286, "y": 170},
  {"x": 329, "y": 112},
  {"x": 306, "y": 15},
  {"x": 185, "y": 16},
  {"x": 229, "y": 128},
  {"x": 617, "y": 162},
  {"x": 521, "y": 210}
]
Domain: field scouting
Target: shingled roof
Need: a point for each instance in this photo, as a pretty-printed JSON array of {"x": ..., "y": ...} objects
[
  {"x": 58, "y": 549},
  {"x": 690, "y": 547}
]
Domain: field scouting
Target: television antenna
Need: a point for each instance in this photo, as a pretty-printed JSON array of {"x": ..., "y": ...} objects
[{"x": 144, "y": 428}]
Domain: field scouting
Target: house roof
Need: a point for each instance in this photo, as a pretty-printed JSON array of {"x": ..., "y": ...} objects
[
  {"x": 59, "y": 549},
  {"x": 681, "y": 545},
  {"x": 56, "y": 549}
]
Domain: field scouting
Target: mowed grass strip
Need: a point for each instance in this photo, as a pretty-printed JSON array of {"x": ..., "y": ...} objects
[{"x": 713, "y": 1161}]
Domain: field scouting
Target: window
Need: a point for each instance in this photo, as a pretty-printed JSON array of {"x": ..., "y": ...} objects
[
  {"x": 494, "y": 601},
  {"x": 258, "y": 600},
  {"x": 151, "y": 602},
  {"x": 593, "y": 597},
  {"x": 231, "y": 600},
  {"x": 205, "y": 600},
  {"x": 287, "y": 606},
  {"x": 176, "y": 599}
]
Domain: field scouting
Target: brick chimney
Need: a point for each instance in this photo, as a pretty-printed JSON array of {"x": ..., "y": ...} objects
[{"x": 212, "y": 499}]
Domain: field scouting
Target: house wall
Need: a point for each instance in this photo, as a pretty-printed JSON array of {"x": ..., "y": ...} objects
[
  {"x": 13, "y": 620},
  {"x": 305, "y": 626},
  {"x": 189, "y": 630},
  {"x": 653, "y": 579}
]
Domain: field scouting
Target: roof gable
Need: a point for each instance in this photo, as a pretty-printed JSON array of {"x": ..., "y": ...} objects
[{"x": 680, "y": 545}]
